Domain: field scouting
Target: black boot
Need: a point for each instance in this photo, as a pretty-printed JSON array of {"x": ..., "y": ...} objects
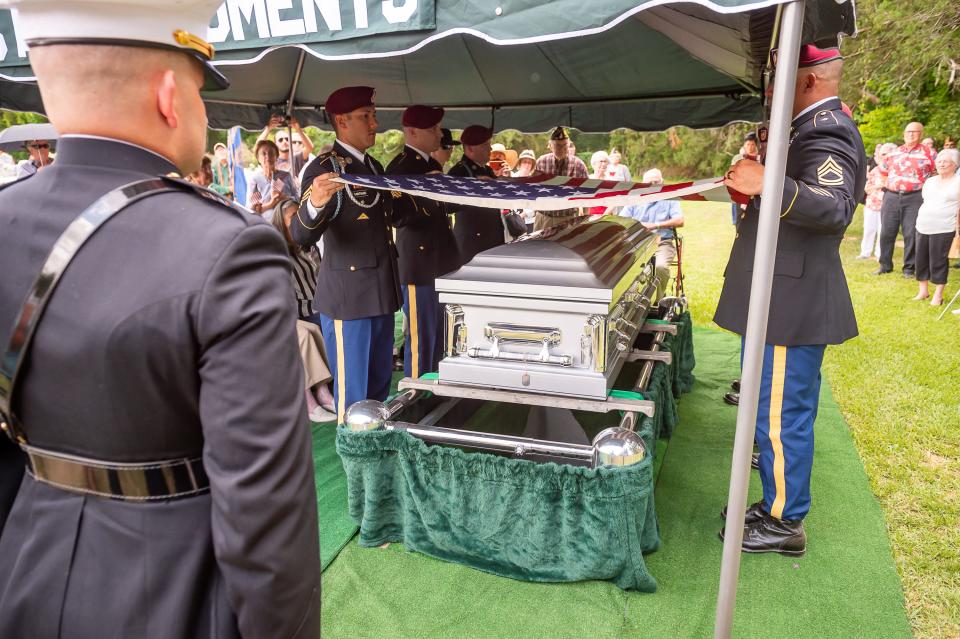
[
  {"x": 754, "y": 512},
  {"x": 732, "y": 398},
  {"x": 735, "y": 385},
  {"x": 769, "y": 534}
]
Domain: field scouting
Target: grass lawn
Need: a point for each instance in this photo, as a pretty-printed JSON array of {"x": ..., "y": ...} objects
[{"x": 897, "y": 386}]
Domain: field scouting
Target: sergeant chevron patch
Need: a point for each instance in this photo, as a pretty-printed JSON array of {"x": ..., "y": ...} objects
[{"x": 830, "y": 173}]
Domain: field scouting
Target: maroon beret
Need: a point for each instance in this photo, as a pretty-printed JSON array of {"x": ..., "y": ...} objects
[
  {"x": 476, "y": 134},
  {"x": 812, "y": 55},
  {"x": 349, "y": 99},
  {"x": 422, "y": 117}
]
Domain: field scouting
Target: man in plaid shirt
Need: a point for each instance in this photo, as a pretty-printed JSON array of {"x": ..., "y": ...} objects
[
  {"x": 560, "y": 161},
  {"x": 904, "y": 171}
]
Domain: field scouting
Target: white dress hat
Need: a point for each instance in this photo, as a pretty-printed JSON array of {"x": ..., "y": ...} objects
[{"x": 168, "y": 24}]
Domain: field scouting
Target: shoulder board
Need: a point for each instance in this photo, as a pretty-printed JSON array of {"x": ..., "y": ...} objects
[
  {"x": 826, "y": 118},
  {"x": 208, "y": 194},
  {"x": 17, "y": 181}
]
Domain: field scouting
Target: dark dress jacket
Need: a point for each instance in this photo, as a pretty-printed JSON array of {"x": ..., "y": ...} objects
[
  {"x": 358, "y": 275},
  {"x": 171, "y": 335},
  {"x": 425, "y": 241},
  {"x": 825, "y": 177},
  {"x": 476, "y": 229}
]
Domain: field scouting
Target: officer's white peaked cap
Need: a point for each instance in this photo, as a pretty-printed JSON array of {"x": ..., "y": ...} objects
[{"x": 171, "y": 24}]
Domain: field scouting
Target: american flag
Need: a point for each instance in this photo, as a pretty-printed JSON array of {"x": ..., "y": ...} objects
[{"x": 539, "y": 192}]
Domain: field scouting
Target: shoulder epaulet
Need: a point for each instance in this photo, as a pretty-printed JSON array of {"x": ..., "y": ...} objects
[
  {"x": 209, "y": 194},
  {"x": 16, "y": 181},
  {"x": 826, "y": 118}
]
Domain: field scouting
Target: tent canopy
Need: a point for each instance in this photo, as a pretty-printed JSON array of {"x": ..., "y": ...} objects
[{"x": 521, "y": 64}]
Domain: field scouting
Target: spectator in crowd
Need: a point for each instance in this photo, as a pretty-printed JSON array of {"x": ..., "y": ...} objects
[
  {"x": 871, "y": 209},
  {"x": 617, "y": 171},
  {"x": 313, "y": 353},
  {"x": 8, "y": 167},
  {"x": 221, "y": 170},
  {"x": 302, "y": 145},
  {"x": 661, "y": 217},
  {"x": 949, "y": 143},
  {"x": 936, "y": 225},
  {"x": 930, "y": 144},
  {"x": 502, "y": 160},
  {"x": 269, "y": 185},
  {"x": 204, "y": 175},
  {"x": 904, "y": 173},
  {"x": 749, "y": 151},
  {"x": 526, "y": 162},
  {"x": 442, "y": 155},
  {"x": 559, "y": 161},
  {"x": 600, "y": 162},
  {"x": 39, "y": 151}
]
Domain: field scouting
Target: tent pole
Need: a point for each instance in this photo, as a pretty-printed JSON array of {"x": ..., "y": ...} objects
[
  {"x": 781, "y": 113},
  {"x": 294, "y": 164}
]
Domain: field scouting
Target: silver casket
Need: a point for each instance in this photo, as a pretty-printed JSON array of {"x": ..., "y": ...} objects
[{"x": 555, "y": 312}]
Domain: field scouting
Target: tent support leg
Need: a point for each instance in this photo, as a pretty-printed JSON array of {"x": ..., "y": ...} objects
[{"x": 776, "y": 161}]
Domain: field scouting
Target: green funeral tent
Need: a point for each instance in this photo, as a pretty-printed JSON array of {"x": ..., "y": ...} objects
[{"x": 520, "y": 64}]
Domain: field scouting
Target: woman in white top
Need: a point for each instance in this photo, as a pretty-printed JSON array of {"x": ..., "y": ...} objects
[{"x": 936, "y": 225}]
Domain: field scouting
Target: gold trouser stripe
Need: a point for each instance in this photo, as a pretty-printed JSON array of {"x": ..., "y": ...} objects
[
  {"x": 341, "y": 371},
  {"x": 776, "y": 414},
  {"x": 414, "y": 334}
]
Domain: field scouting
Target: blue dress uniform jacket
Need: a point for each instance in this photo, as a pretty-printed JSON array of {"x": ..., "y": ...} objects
[
  {"x": 424, "y": 240},
  {"x": 476, "y": 229},
  {"x": 171, "y": 335},
  {"x": 825, "y": 177},
  {"x": 358, "y": 274}
]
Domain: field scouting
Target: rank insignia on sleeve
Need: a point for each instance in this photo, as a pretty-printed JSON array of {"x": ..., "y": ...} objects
[
  {"x": 363, "y": 216},
  {"x": 396, "y": 194},
  {"x": 819, "y": 191},
  {"x": 830, "y": 173}
]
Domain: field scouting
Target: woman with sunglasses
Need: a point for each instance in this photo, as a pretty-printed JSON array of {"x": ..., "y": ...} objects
[{"x": 39, "y": 151}]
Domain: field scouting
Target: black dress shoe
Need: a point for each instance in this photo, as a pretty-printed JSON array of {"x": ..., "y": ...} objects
[
  {"x": 882, "y": 271},
  {"x": 755, "y": 461},
  {"x": 735, "y": 385},
  {"x": 754, "y": 513},
  {"x": 909, "y": 275},
  {"x": 732, "y": 398},
  {"x": 769, "y": 534}
]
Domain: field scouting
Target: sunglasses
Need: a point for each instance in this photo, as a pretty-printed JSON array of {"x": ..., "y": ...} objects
[
  {"x": 283, "y": 140},
  {"x": 38, "y": 146}
]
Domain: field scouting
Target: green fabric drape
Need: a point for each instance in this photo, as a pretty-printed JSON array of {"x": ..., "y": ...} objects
[{"x": 514, "y": 518}]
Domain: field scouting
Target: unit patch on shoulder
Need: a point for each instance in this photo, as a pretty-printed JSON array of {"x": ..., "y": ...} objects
[
  {"x": 830, "y": 173},
  {"x": 363, "y": 216}
]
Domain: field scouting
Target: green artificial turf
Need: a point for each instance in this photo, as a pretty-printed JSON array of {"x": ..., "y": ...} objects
[
  {"x": 846, "y": 585},
  {"x": 336, "y": 526}
]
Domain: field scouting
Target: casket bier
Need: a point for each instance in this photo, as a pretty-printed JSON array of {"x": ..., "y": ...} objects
[{"x": 554, "y": 312}]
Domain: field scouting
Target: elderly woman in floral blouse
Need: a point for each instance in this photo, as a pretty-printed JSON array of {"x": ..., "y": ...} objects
[{"x": 871, "y": 210}]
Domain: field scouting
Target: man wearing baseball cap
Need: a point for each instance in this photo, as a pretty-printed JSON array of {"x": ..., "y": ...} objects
[
  {"x": 153, "y": 381},
  {"x": 425, "y": 242},
  {"x": 358, "y": 287},
  {"x": 810, "y": 304}
]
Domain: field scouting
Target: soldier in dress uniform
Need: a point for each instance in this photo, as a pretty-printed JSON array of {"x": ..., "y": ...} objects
[
  {"x": 358, "y": 289},
  {"x": 475, "y": 228},
  {"x": 810, "y": 304},
  {"x": 169, "y": 488},
  {"x": 425, "y": 242}
]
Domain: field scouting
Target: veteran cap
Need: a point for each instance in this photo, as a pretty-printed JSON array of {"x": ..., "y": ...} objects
[
  {"x": 165, "y": 24},
  {"x": 476, "y": 134},
  {"x": 446, "y": 139},
  {"x": 559, "y": 133},
  {"x": 347, "y": 99},
  {"x": 419, "y": 116}
]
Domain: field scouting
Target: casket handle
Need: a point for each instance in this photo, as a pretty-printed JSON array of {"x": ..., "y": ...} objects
[{"x": 519, "y": 333}]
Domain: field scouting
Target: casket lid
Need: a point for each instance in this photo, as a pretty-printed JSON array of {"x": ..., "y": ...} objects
[{"x": 589, "y": 259}]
